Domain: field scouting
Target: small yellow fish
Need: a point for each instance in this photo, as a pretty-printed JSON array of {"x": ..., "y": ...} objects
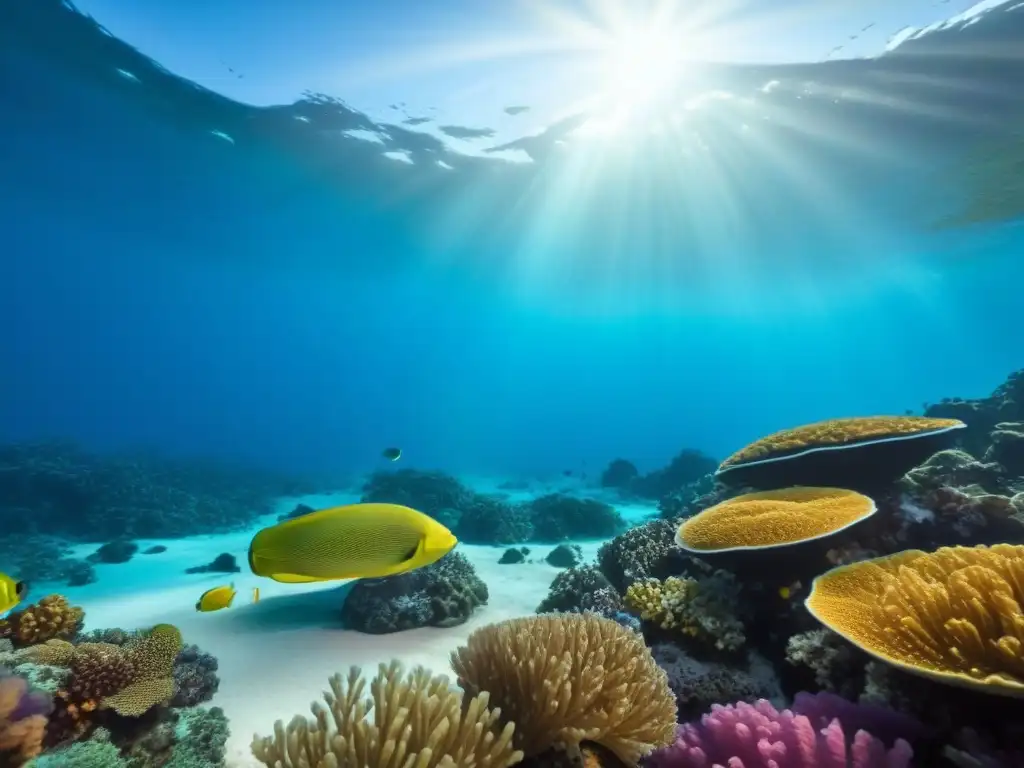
[
  {"x": 11, "y": 592},
  {"x": 350, "y": 542},
  {"x": 255, "y": 594},
  {"x": 787, "y": 592},
  {"x": 217, "y": 598}
]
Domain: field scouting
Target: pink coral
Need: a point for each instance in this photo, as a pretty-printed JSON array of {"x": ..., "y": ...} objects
[{"x": 759, "y": 736}]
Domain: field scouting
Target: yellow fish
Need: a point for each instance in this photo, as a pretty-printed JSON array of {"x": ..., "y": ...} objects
[
  {"x": 350, "y": 542},
  {"x": 11, "y": 592},
  {"x": 217, "y": 598},
  {"x": 255, "y": 594}
]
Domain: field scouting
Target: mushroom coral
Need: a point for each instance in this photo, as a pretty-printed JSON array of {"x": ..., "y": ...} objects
[
  {"x": 409, "y": 721},
  {"x": 953, "y": 615},
  {"x": 861, "y": 452},
  {"x": 567, "y": 678},
  {"x": 773, "y": 518}
]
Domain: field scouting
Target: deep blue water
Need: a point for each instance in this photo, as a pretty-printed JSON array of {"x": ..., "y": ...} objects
[{"x": 294, "y": 299}]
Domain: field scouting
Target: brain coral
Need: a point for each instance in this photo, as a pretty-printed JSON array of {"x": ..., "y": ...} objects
[
  {"x": 567, "y": 678},
  {"x": 773, "y": 518},
  {"x": 953, "y": 615},
  {"x": 852, "y": 452}
]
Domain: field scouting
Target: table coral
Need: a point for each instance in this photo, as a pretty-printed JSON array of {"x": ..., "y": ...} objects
[
  {"x": 759, "y": 736},
  {"x": 861, "y": 453},
  {"x": 773, "y": 518},
  {"x": 415, "y": 715},
  {"x": 953, "y": 615},
  {"x": 566, "y": 678}
]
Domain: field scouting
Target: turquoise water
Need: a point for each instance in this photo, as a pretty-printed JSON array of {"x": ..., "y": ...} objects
[{"x": 232, "y": 287}]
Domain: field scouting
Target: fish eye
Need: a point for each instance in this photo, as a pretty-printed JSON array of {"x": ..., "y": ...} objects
[{"x": 20, "y": 588}]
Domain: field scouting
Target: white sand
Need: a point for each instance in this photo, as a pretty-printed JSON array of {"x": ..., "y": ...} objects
[{"x": 275, "y": 656}]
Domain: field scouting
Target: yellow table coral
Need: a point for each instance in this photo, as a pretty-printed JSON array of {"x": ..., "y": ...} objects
[
  {"x": 773, "y": 518},
  {"x": 954, "y": 615}
]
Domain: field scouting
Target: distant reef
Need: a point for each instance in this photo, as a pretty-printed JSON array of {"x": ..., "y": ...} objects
[
  {"x": 60, "y": 489},
  {"x": 484, "y": 519}
]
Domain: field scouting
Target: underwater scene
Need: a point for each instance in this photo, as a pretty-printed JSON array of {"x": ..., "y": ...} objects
[{"x": 550, "y": 383}]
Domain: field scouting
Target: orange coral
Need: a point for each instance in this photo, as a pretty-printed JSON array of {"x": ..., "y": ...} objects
[
  {"x": 773, "y": 518},
  {"x": 52, "y": 617},
  {"x": 837, "y": 433},
  {"x": 954, "y": 615}
]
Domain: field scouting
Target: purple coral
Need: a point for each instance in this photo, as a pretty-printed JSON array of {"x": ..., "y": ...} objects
[{"x": 759, "y": 736}]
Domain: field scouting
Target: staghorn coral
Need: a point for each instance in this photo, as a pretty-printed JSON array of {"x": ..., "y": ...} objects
[
  {"x": 835, "y": 433},
  {"x": 410, "y": 721},
  {"x": 759, "y": 736},
  {"x": 953, "y": 615},
  {"x": 51, "y": 617},
  {"x": 23, "y": 718},
  {"x": 773, "y": 518},
  {"x": 700, "y": 608},
  {"x": 567, "y": 678}
]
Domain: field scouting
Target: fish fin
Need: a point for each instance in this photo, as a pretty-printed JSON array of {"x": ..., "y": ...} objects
[
  {"x": 199, "y": 605},
  {"x": 293, "y": 578}
]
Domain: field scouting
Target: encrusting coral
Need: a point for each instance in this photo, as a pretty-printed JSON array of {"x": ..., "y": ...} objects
[
  {"x": 51, "y": 617},
  {"x": 409, "y": 721},
  {"x": 568, "y": 678},
  {"x": 953, "y": 615},
  {"x": 773, "y": 518}
]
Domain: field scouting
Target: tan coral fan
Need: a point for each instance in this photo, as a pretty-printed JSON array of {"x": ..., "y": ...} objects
[
  {"x": 836, "y": 433},
  {"x": 773, "y": 518},
  {"x": 954, "y": 615},
  {"x": 567, "y": 678},
  {"x": 410, "y": 721}
]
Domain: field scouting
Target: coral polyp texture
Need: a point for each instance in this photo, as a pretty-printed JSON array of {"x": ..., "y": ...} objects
[
  {"x": 953, "y": 615},
  {"x": 568, "y": 678},
  {"x": 52, "y": 617},
  {"x": 859, "y": 452},
  {"x": 759, "y": 736},
  {"x": 773, "y": 518},
  {"x": 410, "y": 720}
]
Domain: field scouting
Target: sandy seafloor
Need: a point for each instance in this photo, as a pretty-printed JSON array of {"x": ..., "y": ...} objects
[{"x": 275, "y": 656}]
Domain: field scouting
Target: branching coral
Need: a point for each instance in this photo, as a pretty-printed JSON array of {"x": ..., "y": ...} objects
[
  {"x": 699, "y": 608},
  {"x": 52, "y": 617},
  {"x": 759, "y": 736},
  {"x": 954, "y": 615},
  {"x": 567, "y": 678},
  {"x": 409, "y": 721}
]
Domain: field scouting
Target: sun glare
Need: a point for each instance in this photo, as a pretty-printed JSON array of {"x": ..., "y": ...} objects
[{"x": 643, "y": 64}]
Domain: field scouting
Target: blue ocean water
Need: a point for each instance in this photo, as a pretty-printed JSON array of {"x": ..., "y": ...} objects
[{"x": 294, "y": 287}]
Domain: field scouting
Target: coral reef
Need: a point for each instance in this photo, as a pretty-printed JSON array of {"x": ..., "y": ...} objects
[
  {"x": 34, "y": 558},
  {"x": 415, "y": 715},
  {"x": 1005, "y": 404},
  {"x": 564, "y": 556},
  {"x": 863, "y": 454},
  {"x": 619, "y": 473},
  {"x": 443, "y": 594},
  {"x": 759, "y": 736},
  {"x": 702, "y": 608},
  {"x": 113, "y": 552},
  {"x": 698, "y": 684},
  {"x": 195, "y": 677},
  {"x": 688, "y": 468},
  {"x": 514, "y": 555},
  {"x": 646, "y": 551},
  {"x": 86, "y": 496},
  {"x": 567, "y": 678},
  {"x": 774, "y": 518},
  {"x": 953, "y": 615},
  {"x": 222, "y": 563},
  {"x": 581, "y": 588},
  {"x": 557, "y": 517}
]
